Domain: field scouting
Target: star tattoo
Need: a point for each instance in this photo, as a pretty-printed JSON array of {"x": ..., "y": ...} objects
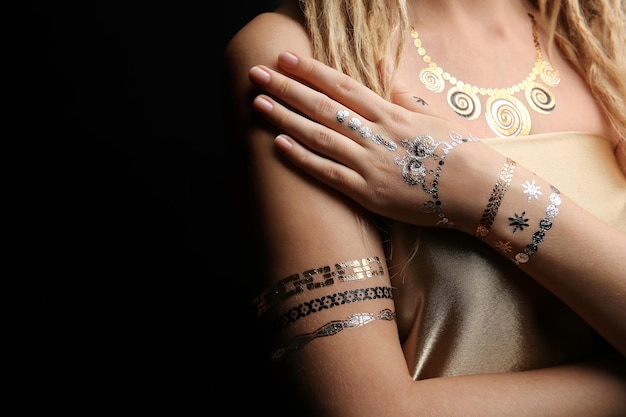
[
  {"x": 504, "y": 247},
  {"x": 518, "y": 221}
]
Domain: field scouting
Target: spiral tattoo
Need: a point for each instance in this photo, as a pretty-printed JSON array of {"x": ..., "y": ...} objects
[
  {"x": 432, "y": 80},
  {"x": 464, "y": 103},
  {"x": 507, "y": 116},
  {"x": 540, "y": 99}
]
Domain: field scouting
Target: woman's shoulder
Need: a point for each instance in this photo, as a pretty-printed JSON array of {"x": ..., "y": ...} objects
[{"x": 267, "y": 34}]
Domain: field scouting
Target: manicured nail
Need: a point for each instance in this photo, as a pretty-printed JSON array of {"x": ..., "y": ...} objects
[
  {"x": 287, "y": 60},
  {"x": 259, "y": 75},
  {"x": 263, "y": 104},
  {"x": 282, "y": 142}
]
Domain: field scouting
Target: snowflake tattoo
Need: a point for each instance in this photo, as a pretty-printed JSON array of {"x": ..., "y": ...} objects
[
  {"x": 532, "y": 189},
  {"x": 504, "y": 247},
  {"x": 518, "y": 221}
]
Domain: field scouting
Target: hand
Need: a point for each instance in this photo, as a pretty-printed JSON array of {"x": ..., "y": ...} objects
[{"x": 390, "y": 159}]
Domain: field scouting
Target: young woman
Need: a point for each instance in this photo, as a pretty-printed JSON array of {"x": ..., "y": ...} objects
[{"x": 439, "y": 225}]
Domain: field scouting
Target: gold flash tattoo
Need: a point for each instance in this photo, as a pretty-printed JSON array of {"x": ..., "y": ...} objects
[
  {"x": 497, "y": 194},
  {"x": 324, "y": 276},
  {"x": 504, "y": 247}
]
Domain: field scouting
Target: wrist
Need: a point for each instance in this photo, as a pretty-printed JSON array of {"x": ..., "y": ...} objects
[{"x": 524, "y": 215}]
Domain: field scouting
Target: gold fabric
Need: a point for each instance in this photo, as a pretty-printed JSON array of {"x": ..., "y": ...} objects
[{"x": 462, "y": 308}]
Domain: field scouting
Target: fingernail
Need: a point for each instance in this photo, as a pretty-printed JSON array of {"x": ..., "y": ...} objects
[
  {"x": 287, "y": 60},
  {"x": 259, "y": 75},
  {"x": 282, "y": 142},
  {"x": 263, "y": 104}
]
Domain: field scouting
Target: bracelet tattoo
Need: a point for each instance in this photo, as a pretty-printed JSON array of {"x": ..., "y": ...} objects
[
  {"x": 545, "y": 224},
  {"x": 327, "y": 302},
  {"x": 331, "y": 329},
  {"x": 354, "y": 270},
  {"x": 497, "y": 194},
  {"x": 415, "y": 170}
]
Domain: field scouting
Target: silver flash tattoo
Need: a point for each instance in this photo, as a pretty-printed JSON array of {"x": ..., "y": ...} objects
[
  {"x": 326, "y": 302},
  {"x": 545, "y": 224},
  {"x": 332, "y": 328},
  {"x": 354, "y": 123},
  {"x": 341, "y": 115},
  {"x": 532, "y": 189},
  {"x": 415, "y": 170},
  {"x": 365, "y": 132}
]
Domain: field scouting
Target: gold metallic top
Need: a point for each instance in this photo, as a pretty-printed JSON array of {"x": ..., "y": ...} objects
[{"x": 462, "y": 308}]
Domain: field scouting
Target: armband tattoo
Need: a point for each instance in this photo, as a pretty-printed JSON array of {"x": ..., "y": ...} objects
[
  {"x": 331, "y": 329},
  {"x": 327, "y": 302},
  {"x": 493, "y": 205},
  {"x": 354, "y": 270}
]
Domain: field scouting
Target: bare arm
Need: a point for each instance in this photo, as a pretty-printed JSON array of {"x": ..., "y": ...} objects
[
  {"x": 359, "y": 370},
  {"x": 590, "y": 281}
]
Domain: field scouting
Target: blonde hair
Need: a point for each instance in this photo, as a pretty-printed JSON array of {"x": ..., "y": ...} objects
[{"x": 356, "y": 36}]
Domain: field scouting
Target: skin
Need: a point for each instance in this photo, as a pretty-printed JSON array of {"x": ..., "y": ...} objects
[{"x": 349, "y": 373}]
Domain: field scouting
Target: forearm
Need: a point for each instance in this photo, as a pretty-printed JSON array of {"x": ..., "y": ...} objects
[
  {"x": 565, "y": 248},
  {"x": 583, "y": 389}
]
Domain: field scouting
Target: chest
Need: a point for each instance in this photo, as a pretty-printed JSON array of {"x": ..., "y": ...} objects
[{"x": 506, "y": 98}]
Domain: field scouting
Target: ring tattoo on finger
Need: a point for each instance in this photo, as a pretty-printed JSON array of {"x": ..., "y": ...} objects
[{"x": 365, "y": 131}]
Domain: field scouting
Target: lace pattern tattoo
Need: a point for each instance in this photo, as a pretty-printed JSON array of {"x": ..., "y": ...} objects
[{"x": 417, "y": 167}]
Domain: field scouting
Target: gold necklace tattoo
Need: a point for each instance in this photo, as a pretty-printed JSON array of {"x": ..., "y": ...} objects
[{"x": 506, "y": 115}]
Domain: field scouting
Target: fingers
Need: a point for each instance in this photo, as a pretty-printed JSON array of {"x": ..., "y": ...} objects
[
  {"x": 325, "y": 170},
  {"x": 331, "y": 82},
  {"x": 309, "y": 102},
  {"x": 310, "y": 133}
]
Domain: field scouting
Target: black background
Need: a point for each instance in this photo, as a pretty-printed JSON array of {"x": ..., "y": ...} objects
[{"x": 116, "y": 237}]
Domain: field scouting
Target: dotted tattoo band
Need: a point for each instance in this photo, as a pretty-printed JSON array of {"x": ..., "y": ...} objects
[
  {"x": 364, "y": 131},
  {"x": 493, "y": 205}
]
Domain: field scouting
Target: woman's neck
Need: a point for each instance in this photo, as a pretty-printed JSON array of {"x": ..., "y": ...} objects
[{"x": 493, "y": 16}]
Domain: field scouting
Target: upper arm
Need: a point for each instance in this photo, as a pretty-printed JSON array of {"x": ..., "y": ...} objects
[{"x": 294, "y": 224}]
